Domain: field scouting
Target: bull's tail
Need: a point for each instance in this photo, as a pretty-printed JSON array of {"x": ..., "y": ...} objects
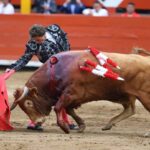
[{"x": 137, "y": 50}]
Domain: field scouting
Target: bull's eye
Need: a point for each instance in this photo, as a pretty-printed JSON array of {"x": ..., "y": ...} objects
[{"x": 28, "y": 103}]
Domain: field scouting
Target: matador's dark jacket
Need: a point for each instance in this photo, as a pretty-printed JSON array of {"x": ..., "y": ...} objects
[{"x": 56, "y": 41}]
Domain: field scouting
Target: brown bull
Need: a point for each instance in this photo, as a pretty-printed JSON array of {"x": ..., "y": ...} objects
[{"x": 64, "y": 85}]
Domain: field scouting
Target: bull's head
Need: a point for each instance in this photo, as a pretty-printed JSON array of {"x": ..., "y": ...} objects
[{"x": 31, "y": 103}]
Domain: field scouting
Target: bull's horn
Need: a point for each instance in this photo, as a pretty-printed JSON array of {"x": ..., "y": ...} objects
[
  {"x": 13, "y": 106},
  {"x": 25, "y": 92}
]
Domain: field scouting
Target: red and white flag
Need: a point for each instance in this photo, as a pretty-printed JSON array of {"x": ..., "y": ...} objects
[
  {"x": 100, "y": 70},
  {"x": 103, "y": 59}
]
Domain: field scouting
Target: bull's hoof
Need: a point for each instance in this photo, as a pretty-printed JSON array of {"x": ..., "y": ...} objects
[
  {"x": 81, "y": 128},
  {"x": 107, "y": 127},
  {"x": 64, "y": 127},
  {"x": 147, "y": 134},
  {"x": 73, "y": 127}
]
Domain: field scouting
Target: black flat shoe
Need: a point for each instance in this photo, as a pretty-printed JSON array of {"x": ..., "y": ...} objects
[
  {"x": 36, "y": 127},
  {"x": 73, "y": 127}
]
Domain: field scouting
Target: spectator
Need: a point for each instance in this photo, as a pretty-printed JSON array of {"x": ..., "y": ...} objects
[
  {"x": 97, "y": 10},
  {"x": 43, "y": 43},
  {"x": 1, "y": 6},
  {"x": 130, "y": 11},
  {"x": 7, "y": 7},
  {"x": 45, "y": 6},
  {"x": 72, "y": 7},
  {"x": 37, "y": 6}
]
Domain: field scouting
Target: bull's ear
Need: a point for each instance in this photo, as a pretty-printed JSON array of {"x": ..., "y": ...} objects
[
  {"x": 33, "y": 91},
  {"x": 17, "y": 93}
]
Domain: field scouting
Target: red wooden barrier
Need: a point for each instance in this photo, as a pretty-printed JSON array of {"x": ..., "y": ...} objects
[{"x": 116, "y": 34}]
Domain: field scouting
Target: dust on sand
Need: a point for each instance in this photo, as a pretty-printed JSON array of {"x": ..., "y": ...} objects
[{"x": 126, "y": 135}]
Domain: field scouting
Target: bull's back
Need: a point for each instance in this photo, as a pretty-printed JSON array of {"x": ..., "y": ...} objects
[
  {"x": 68, "y": 66},
  {"x": 67, "y": 74},
  {"x": 130, "y": 64},
  {"x": 135, "y": 69},
  {"x": 131, "y": 68},
  {"x": 83, "y": 83}
]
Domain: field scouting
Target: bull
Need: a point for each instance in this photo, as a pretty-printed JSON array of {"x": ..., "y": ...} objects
[{"x": 60, "y": 83}]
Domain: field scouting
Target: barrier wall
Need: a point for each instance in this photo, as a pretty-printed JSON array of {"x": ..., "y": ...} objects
[{"x": 115, "y": 34}]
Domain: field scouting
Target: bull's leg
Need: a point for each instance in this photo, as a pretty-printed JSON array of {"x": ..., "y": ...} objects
[
  {"x": 59, "y": 108},
  {"x": 78, "y": 120},
  {"x": 145, "y": 100},
  {"x": 129, "y": 110}
]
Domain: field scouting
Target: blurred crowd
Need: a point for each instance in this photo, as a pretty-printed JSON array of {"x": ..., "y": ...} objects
[{"x": 68, "y": 7}]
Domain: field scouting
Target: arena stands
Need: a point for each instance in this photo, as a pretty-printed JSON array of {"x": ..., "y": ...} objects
[
  {"x": 88, "y": 3},
  {"x": 113, "y": 33}
]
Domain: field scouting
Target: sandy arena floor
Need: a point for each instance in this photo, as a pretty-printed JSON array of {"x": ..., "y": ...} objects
[{"x": 126, "y": 135}]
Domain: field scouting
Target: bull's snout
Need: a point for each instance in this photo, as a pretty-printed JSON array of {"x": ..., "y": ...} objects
[{"x": 40, "y": 121}]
